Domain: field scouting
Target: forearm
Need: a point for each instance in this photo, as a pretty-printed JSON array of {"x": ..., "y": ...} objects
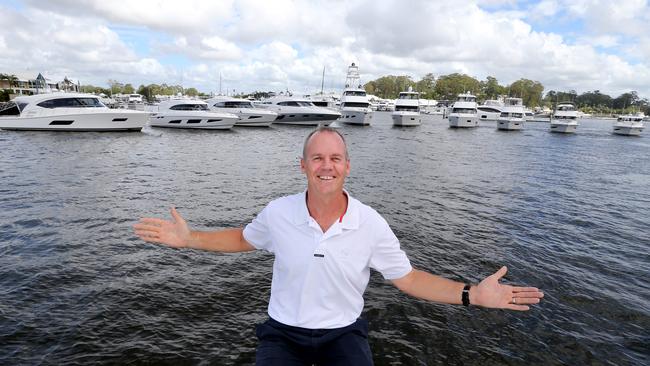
[
  {"x": 228, "y": 241},
  {"x": 430, "y": 287}
]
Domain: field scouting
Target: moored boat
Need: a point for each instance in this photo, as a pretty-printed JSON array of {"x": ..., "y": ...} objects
[{"x": 68, "y": 112}]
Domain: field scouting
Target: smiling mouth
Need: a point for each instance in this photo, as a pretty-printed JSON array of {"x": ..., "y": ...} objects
[{"x": 325, "y": 177}]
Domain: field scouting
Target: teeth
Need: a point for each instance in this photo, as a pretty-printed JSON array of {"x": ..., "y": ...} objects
[{"x": 326, "y": 177}]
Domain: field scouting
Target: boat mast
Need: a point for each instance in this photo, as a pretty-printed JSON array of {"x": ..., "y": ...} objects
[{"x": 322, "y": 81}]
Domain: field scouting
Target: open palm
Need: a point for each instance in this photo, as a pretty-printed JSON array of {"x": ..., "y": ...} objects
[
  {"x": 491, "y": 294},
  {"x": 175, "y": 233}
]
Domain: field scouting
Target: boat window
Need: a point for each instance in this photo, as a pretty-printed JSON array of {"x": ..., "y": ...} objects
[
  {"x": 238, "y": 104},
  {"x": 354, "y": 105},
  {"x": 488, "y": 109},
  {"x": 409, "y": 96},
  {"x": 411, "y": 108},
  {"x": 464, "y": 110},
  {"x": 355, "y": 93},
  {"x": 9, "y": 109},
  {"x": 320, "y": 103},
  {"x": 71, "y": 103},
  {"x": 189, "y": 107}
]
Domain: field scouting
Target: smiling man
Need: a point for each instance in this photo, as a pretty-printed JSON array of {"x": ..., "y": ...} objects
[{"x": 325, "y": 242}]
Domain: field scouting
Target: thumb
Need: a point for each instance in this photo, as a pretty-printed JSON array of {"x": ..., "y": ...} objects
[
  {"x": 177, "y": 217},
  {"x": 500, "y": 273}
]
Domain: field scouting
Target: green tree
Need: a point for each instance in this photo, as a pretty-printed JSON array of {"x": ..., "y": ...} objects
[
  {"x": 528, "y": 90},
  {"x": 192, "y": 92},
  {"x": 490, "y": 89},
  {"x": 426, "y": 86},
  {"x": 449, "y": 86},
  {"x": 128, "y": 89}
]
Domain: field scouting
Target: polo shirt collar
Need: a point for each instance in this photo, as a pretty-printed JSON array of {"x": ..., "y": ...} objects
[{"x": 350, "y": 218}]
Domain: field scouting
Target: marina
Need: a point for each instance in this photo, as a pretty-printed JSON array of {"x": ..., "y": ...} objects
[{"x": 565, "y": 212}]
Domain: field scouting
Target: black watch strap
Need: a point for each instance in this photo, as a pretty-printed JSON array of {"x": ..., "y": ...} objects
[{"x": 465, "y": 297}]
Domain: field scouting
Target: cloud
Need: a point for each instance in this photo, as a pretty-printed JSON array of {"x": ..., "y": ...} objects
[{"x": 579, "y": 44}]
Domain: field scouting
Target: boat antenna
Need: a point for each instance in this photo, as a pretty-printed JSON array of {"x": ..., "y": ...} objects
[
  {"x": 220, "y": 83},
  {"x": 322, "y": 81}
]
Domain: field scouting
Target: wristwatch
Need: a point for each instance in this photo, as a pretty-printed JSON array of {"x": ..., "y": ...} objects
[{"x": 465, "y": 296}]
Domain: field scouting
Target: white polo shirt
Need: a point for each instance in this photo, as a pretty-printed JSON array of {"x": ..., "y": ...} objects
[{"x": 319, "y": 278}]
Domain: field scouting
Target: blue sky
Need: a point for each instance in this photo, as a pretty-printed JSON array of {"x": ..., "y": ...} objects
[{"x": 259, "y": 45}]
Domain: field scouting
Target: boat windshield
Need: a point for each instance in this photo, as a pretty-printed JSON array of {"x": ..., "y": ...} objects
[
  {"x": 411, "y": 108},
  {"x": 234, "y": 104},
  {"x": 296, "y": 103},
  {"x": 79, "y": 102},
  {"x": 408, "y": 96},
  {"x": 189, "y": 107},
  {"x": 9, "y": 109},
  {"x": 356, "y": 93},
  {"x": 354, "y": 105},
  {"x": 512, "y": 114},
  {"x": 464, "y": 110}
]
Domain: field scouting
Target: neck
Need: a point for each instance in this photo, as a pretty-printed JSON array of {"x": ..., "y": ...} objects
[{"x": 326, "y": 208}]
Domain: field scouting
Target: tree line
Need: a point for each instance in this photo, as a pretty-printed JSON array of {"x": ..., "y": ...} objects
[{"x": 447, "y": 87}]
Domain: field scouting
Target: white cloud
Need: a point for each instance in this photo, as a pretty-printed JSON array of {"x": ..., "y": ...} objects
[{"x": 285, "y": 44}]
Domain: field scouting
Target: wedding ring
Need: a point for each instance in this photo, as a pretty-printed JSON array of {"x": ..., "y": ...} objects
[{"x": 514, "y": 300}]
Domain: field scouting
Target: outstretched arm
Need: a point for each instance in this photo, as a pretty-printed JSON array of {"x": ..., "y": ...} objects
[
  {"x": 488, "y": 293},
  {"x": 177, "y": 234}
]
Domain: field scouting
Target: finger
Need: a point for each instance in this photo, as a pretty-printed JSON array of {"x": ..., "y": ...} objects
[
  {"x": 148, "y": 237},
  {"x": 501, "y": 272},
  {"x": 152, "y": 221},
  {"x": 177, "y": 217},
  {"x": 524, "y": 289},
  {"x": 147, "y": 232},
  {"x": 536, "y": 295},
  {"x": 146, "y": 227},
  {"x": 517, "y": 307},
  {"x": 525, "y": 301}
]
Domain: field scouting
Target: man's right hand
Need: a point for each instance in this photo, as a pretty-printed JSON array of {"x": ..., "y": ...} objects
[{"x": 174, "y": 233}]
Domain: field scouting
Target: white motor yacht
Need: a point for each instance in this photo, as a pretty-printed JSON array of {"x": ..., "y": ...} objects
[
  {"x": 190, "y": 113},
  {"x": 464, "y": 113},
  {"x": 512, "y": 115},
  {"x": 490, "y": 110},
  {"x": 355, "y": 106},
  {"x": 248, "y": 114},
  {"x": 299, "y": 111},
  {"x": 329, "y": 101},
  {"x": 565, "y": 118},
  {"x": 629, "y": 124},
  {"x": 67, "y": 112},
  {"x": 407, "y": 109}
]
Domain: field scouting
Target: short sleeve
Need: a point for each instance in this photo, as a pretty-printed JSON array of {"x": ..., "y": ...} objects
[
  {"x": 257, "y": 233},
  {"x": 387, "y": 256}
]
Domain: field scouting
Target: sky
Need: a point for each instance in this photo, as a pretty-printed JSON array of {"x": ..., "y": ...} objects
[{"x": 249, "y": 45}]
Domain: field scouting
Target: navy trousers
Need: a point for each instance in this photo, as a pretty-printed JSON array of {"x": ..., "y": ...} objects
[{"x": 284, "y": 345}]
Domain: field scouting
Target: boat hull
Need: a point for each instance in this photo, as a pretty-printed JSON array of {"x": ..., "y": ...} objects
[
  {"x": 256, "y": 119},
  {"x": 563, "y": 128},
  {"x": 193, "y": 120},
  {"x": 306, "y": 119},
  {"x": 510, "y": 124},
  {"x": 463, "y": 120},
  {"x": 408, "y": 119},
  {"x": 627, "y": 130},
  {"x": 104, "y": 120},
  {"x": 353, "y": 117}
]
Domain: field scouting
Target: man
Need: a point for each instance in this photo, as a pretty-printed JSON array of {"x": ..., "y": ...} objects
[{"x": 325, "y": 243}]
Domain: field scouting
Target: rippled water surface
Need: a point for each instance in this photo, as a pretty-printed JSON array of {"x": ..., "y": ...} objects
[{"x": 567, "y": 213}]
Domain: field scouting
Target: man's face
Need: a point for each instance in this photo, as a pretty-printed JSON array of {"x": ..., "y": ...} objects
[{"x": 325, "y": 163}]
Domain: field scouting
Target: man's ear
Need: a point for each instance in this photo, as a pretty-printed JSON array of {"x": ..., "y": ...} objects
[{"x": 302, "y": 165}]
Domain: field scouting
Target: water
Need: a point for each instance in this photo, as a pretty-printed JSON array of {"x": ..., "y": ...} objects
[{"x": 567, "y": 213}]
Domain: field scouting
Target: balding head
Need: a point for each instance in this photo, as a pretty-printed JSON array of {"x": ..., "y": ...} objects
[{"x": 324, "y": 129}]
